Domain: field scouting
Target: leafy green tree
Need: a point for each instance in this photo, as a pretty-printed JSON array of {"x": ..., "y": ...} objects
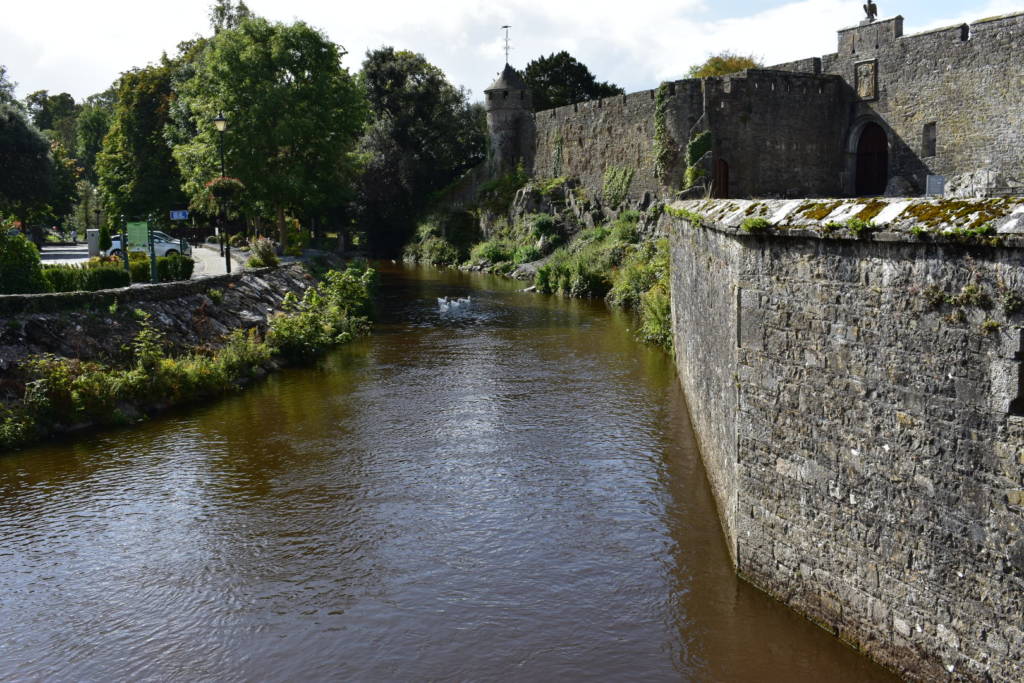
[
  {"x": 55, "y": 115},
  {"x": 27, "y": 181},
  {"x": 724, "y": 64},
  {"x": 6, "y": 87},
  {"x": 424, "y": 135},
  {"x": 294, "y": 116},
  {"x": 66, "y": 173},
  {"x": 136, "y": 172},
  {"x": 226, "y": 15},
  {"x": 558, "y": 80},
  {"x": 93, "y": 125}
]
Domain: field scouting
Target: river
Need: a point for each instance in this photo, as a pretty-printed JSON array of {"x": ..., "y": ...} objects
[{"x": 509, "y": 491}]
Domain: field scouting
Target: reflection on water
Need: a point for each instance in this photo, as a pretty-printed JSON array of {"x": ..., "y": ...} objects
[{"x": 511, "y": 492}]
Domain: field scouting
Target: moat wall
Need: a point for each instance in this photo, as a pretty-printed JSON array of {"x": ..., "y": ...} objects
[{"x": 863, "y": 438}]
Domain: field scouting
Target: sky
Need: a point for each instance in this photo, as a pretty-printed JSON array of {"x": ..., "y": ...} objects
[{"x": 81, "y": 47}]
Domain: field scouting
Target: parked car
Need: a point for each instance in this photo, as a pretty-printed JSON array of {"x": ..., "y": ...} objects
[{"x": 163, "y": 244}]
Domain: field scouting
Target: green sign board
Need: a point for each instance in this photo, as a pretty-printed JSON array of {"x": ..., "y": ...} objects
[{"x": 138, "y": 234}]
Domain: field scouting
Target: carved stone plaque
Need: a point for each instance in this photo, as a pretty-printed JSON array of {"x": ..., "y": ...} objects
[{"x": 867, "y": 79}]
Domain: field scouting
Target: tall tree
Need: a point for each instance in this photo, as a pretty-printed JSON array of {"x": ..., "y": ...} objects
[
  {"x": 225, "y": 14},
  {"x": 93, "y": 125},
  {"x": 55, "y": 115},
  {"x": 723, "y": 64},
  {"x": 6, "y": 86},
  {"x": 27, "y": 181},
  {"x": 136, "y": 172},
  {"x": 423, "y": 136},
  {"x": 558, "y": 80},
  {"x": 294, "y": 116}
]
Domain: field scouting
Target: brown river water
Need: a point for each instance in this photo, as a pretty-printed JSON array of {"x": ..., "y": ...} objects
[{"x": 508, "y": 491}]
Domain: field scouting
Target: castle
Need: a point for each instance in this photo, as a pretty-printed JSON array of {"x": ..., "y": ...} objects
[{"x": 940, "y": 112}]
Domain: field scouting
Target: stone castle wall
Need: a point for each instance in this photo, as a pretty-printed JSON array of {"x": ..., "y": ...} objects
[
  {"x": 967, "y": 80},
  {"x": 583, "y": 140},
  {"x": 780, "y": 133},
  {"x": 792, "y": 130},
  {"x": 872, "y": 456}
]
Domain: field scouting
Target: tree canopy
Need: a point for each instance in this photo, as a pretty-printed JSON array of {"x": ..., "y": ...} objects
[
  {"x": 424, "y": 135},
  {"x": 137, "y": 174},
  {"x": 294, "y": 116},
  {"x": 724, "y": 64},
  {"x": 23, "y": 149},
  {"x": 559, "y": 79}
]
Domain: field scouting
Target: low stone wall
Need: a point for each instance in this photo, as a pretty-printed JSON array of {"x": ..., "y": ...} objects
[
  {"x": 97, "y": 325},
  {"x": 860, "y": 408}
]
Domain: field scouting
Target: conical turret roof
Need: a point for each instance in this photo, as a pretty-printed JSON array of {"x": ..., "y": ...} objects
[{"x": 508, "y": 80}]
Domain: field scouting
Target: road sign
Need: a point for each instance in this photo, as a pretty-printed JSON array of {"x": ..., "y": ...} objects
[
  {"x": 179, "y": 215},
  {"x": 138, "y": 234}
]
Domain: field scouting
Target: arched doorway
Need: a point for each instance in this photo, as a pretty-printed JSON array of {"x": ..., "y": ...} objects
[
  {"x": 720, "y": 180},
  {"x": 872, "y": 161}
]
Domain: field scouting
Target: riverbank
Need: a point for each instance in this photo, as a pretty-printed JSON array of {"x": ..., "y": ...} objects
[
  {"x": 550, "y": 234},
  {"x": 70, "y": 362}
]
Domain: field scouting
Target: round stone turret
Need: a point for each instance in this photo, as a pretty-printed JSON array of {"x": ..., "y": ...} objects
[{"x": 509, "y": 108}]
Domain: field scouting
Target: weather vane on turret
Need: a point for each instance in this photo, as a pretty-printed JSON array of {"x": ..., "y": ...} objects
[
  {"x": 871, "y": 9},
  {"x": 508, "y": 47}
]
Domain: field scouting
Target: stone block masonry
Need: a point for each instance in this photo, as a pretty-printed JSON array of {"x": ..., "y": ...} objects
[{"x": 860, "y": 409}]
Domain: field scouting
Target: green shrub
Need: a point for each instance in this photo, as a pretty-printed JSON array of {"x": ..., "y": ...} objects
[
  {"x": 542, "y": 225},
  {"x": 438, "y": 252},
  {"x": 575, "y": 274},
  {"x": 331, "y": 313},
  {"x": 20, "y": 265},
  {"x": 625, "y": 227},
  {"x": 174, "y": 267},
  {"x": 62, "y": 278},
  {"x": 105, "y": 242},
  {"x": 238, "y": 240},
  {"x": 492, "y": 251},
  {"x": 262, "y": 254},
  {"x": 656, "y": 316},
  {"x": 107, "y": 277},
  {"x": 139, "y": 267},
  {"x": 526, "y": 254},
  {"x": 642, "y": 269}
]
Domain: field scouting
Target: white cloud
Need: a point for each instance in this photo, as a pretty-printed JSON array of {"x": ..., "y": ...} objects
[{"x": 81, "y": 48}]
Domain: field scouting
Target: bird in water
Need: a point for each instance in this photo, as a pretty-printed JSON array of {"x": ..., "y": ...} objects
[{"x": 447, "y": 303}]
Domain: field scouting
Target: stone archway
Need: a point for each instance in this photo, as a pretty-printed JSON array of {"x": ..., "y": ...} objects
[{"x": 872, "y": 161}]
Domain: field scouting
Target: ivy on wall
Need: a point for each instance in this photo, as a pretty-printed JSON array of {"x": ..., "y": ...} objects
[
  {"x": 615, "y": 187},
  {"x": 666, "y": 150},
  {"x": 699, "y": 145}
]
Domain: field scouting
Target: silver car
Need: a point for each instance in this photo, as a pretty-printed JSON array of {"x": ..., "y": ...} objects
[{"x": 163, "y": 244}]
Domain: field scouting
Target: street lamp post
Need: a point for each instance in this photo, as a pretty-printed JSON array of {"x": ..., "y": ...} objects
[{"x": 221, "y": 124}]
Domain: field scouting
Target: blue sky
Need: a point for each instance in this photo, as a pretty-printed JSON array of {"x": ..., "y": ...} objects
[{"x": 82, "y": 47}]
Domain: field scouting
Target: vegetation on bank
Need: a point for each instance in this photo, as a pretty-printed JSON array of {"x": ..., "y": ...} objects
[
  {"x": 52, "y": 394},
  {"x": 609, "y": 260}
]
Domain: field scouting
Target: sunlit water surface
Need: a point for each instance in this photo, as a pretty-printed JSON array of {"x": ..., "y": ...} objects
[{"x": 506, "y": 491}]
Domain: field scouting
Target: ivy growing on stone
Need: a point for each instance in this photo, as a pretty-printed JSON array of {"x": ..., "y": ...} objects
[
  {"x": 615, "y": 187},
  {"x": 666, "y": 150}
]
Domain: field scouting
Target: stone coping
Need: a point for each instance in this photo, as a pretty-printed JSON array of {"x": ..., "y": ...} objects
[
  {"x": 13, "y": 304},
  {"x": 923, "y": 220}
]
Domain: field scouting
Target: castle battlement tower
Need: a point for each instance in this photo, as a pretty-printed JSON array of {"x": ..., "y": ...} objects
[{"x": 509, "y": 106}]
